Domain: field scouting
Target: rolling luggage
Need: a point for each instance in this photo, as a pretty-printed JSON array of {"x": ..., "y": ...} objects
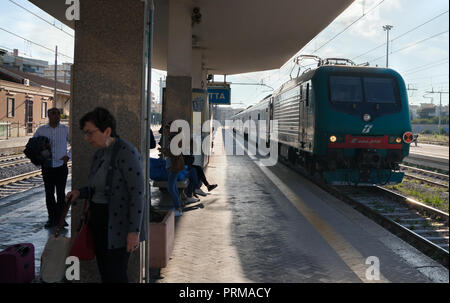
[{"x": 17, "y": 264}]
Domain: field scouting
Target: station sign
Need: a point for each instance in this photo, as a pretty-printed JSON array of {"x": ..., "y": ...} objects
[{"x": 219, "y": 94}]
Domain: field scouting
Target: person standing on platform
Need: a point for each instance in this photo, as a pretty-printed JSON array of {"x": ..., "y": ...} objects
[
  {"x": 115, "y": 193},
  {"x": 55, "y": 174}
]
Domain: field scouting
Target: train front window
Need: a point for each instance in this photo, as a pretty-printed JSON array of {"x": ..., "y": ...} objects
[
  {"x": 346, "y": 89},
  {"x": 379, "y": 90}
]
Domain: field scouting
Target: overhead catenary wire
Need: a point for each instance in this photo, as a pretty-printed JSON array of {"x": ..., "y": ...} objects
[
  {"x": 427, "y": 77},
  {"x": 401, "y": 35},
  {"x": 280, "y": 75},
  {"x": 410, "y": 45},
  {"x": 430, "y": 66},
  {"x": 411, "y": 70},
  {"x": 335, "y": 36},
  {"x": 40, "y": 45},
  {"x": 350, "y": 25},
  {"x": 24, "y": 8}
]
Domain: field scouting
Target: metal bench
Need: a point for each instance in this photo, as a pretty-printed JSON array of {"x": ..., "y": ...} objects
[{"x": 181, "y": 185}]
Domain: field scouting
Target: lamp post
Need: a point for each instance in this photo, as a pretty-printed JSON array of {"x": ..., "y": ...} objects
[{"x": 387, "y": 28}]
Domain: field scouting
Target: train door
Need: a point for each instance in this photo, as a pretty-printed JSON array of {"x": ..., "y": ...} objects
[
  {"x": 269, "y": 118},
  {"x": 301, "y": 116},
  {"x": 307, "y": 121},
  {"x": 29, "y": 116},
  {"x": 309, "y": 117},
  {"x": 258, "y": 121}
]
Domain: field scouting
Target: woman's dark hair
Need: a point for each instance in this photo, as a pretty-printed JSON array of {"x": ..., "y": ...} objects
[{"x": 101, "y": 118}]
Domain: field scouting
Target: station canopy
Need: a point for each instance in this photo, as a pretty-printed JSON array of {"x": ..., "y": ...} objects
[{"x": 238, "y": 36}]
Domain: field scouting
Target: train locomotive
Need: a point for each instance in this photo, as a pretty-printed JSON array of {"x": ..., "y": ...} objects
[{"x": 349, "y": 124}]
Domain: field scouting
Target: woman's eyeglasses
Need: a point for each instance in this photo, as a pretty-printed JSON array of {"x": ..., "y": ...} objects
[{"x": 89, "y": 133}]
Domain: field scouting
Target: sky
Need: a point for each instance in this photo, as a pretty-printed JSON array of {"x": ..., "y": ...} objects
[{"x": 418, "y": 47}]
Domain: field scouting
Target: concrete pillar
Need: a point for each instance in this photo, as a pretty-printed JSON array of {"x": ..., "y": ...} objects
[
  {"x": 178, "y": 101},
  {"x": 107, "y": 72}
]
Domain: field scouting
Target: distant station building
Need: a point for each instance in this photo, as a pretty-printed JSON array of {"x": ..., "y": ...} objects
[
  {"x": 63, "y": 72},
  {"x": 27, "y": 65},
  {"x": 25, "y": 99}
]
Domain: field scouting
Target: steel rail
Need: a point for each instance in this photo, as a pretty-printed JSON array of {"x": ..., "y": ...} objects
[
  {"x": 424, "y": 245},
  {"x": 25, "y": 176},
  {"x": 14, "y": 163},
  {"x": 414, "y": 239},
  {"x": 429, "y": 182},
  {"x": 9, "y": 158},
  {"x": 426, "y": 172}
]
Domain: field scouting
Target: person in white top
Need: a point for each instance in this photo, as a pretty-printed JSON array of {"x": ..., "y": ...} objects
[{"x": 55, "y": 175}]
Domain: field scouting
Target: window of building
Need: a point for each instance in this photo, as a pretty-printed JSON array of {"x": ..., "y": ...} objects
[
  {"x": 44, "y": 110},
  {"x": 10, "y": 107}
]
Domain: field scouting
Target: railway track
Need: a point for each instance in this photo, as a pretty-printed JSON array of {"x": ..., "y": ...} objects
[
  {"x": 425, "y": 176},
  {"x": 424, "y": 227},
  {"x": 22, "y": 182},
  {"x": 420, "y": 225},
  {"x": 424, "y": 172},
  {"x": 14, "y": 163},
  {"x": 4, "y": 159}
]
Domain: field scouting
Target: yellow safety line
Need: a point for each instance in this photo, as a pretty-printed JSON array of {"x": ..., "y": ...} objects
[{"x": 351, "y": 256}]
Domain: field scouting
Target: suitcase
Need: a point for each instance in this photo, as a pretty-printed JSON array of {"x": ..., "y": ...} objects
[{"x": 17, "y": 264}]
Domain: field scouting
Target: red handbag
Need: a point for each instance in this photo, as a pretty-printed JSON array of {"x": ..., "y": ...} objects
[{"x": 83, "y": 243}]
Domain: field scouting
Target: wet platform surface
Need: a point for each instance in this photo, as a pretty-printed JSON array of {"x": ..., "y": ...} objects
[
  {"x": 22, "y": 220},
  {"x": 261, "y": 224}
]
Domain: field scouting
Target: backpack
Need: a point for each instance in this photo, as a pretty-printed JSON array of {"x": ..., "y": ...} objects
[{"x": 38, "y": 151}]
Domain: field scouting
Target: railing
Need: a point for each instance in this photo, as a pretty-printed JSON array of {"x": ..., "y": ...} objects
[{"x": 17, "y": 129}]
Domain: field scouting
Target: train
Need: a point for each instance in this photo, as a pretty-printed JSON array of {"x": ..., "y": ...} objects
[{"x": 346, "y": 123}]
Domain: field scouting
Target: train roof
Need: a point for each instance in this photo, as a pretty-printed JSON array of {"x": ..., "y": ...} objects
[{"x": 309, "y": 74}]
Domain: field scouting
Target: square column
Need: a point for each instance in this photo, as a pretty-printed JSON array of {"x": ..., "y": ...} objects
[
  {"x": 107, "y": 72},
  {"x": 178, "y": 99}
]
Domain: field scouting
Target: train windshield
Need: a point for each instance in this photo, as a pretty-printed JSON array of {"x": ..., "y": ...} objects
[
  {"x": 353, "y": 89},
  {"x": 379, "y": 90},
  {"x": 346, "y": 89},
  {"x": 364, "y": 93}
]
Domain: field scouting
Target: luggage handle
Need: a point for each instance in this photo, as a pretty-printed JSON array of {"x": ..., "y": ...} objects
[
  {"x": 23, "y": 251},
  {"x": 84, "y": 214},
  {"x": 63, "y": 216}
]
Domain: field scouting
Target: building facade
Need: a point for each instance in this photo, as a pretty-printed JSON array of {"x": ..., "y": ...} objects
[
  {"x": 63, "y": 72},
  {"x": 27, "y": 65},
  {"x": 23, "y": 108}
]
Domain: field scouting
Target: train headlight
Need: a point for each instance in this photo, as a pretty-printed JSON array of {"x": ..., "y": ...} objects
[
  {"x": 398, "y": 140},
  {"x": 408, "y": 137},
  {"x": 367, "y": 117},
  {"x": 333, "y": 139}
]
